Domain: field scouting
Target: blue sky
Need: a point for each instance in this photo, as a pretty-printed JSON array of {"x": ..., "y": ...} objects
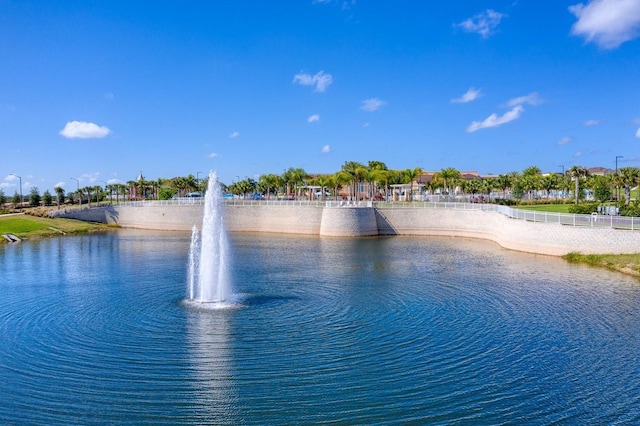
[{"x": 100, "y": 91}]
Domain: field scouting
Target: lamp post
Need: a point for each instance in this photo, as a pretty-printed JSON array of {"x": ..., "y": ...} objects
[
  {"x": 78, "y": 189},
  {"x": 19, "y": 177},
  {"x": 105, "y": 189},
  {"x": 198, "y": 182},
  {"x": 561, "y": 165},
  {"x": 617, "y": 186}
]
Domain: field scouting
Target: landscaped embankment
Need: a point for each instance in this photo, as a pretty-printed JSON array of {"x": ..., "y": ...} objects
[{"x": 334, "y": 220}]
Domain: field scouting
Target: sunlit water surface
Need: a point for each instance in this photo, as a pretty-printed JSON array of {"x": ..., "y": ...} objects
[{"x": 95, "y": 330}]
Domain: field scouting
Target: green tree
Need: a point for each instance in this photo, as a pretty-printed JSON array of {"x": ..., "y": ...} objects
[
  {"x": 577, "y": 173},
  {"x": 34, "y": 197},
  {"x": 59, "y": 195},
  {"x": 504, "y": 182},
  {"x": 628, "y": 177},
  {"x": 601, "y": 189},
  {"x": 16, "y": 199},
  {"x": 3, "y": 198},
  {"x": 355, "y": 171},
  {"x": 450, "y": 176},
  {"x": 47, "y": 199},
  {"x": 409, "y": 176},
  {"x": 549, "y": 183}
]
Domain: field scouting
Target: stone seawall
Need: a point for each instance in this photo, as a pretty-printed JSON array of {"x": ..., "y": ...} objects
[{"x": 521, "y": 235}]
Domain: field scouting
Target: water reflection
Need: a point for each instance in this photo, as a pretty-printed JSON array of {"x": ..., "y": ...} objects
[{"x": 211, "y": 356}]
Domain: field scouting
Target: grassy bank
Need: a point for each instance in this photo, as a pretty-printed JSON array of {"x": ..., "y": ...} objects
[
  {"x": 26, "y": 227},
  {"x": 625, "y": 263}
]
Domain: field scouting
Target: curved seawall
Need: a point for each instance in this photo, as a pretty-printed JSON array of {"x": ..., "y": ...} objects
[{"x": 522, "y": 235}]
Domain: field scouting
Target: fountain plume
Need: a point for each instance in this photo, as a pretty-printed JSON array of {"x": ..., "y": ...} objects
[{"x": 208, "y": 255}]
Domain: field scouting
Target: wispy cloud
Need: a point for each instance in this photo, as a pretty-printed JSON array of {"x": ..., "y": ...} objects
[
  {"x": 326, "y": 149},
  {"x": 84, "y": 130},
  {"x": 607, "y": 23},
  {"x": 320, "y": 80},
  {"x": 483, "y": 23},
  {"x": 577, "y": 154},
  {"x": 471, "y": 95},
  {"x": 565, "y": 140},
  {"x": 530, "y": 99},
  {"x": 313, "y": 118},
  {"x": 590, "y": 123},
  {"x": 495, "y": 120},
  {"x": 638, "y": 133},
  {"x": 234, "y": 135},
  {"x": 213, "y": 155},
  {"x": 372, "y": 104}
]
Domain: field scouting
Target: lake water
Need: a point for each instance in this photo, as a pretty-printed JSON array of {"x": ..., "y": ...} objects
[{"x": 95, "y": 330}]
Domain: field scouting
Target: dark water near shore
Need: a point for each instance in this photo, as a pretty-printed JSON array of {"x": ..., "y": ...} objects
[{"x": 94, "y": 330}]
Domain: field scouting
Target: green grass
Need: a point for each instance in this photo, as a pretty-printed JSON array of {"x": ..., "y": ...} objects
[
  {"x": 552, "y": 208},
  {"x": 627, "y": 263},
  {"x": 33, "y": 227}
]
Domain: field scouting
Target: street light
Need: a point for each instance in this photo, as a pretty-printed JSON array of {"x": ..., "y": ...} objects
[
  {"x": 198, "y": 182},
  {"x": 78, "y": 188},
  {"x": 617, "y": 186},
  {"x": 105, "y": 190},
  {"x": 19, "y": 177}
]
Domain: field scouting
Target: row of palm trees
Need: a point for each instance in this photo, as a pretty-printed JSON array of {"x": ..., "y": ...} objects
[
  {"x": 359, "y": 181},
  {"x": 140, "y": 189}
]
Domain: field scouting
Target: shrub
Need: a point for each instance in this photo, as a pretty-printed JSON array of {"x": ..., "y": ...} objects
[{"x": 583, "y": 208}]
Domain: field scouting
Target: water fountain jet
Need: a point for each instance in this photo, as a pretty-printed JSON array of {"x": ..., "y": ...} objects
[{"x": 208, "y": 278}]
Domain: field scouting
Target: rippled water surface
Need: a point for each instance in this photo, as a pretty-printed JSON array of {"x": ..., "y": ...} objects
[{"x": 95, "y": 330}]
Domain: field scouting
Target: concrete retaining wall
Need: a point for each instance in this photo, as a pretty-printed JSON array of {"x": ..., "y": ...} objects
[
  {"x": 521, "y": 235},
  {"x": 348, "y": 222}
]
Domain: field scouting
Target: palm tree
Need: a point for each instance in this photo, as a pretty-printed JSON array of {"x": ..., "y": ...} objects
[
  {"x": 550, "y": 182},
  {"x": 449, "y": 176},
  {"x": 59, "y": 194},
  {"x": 267, "y": 182},
  {"x": 340, "y": 179},
  {"x": 576, "y": 172},
  {"x": 355, "y": 170},
  {"x": 531, "y": 179},
  {"x": 629, "y": 177},
  {"x": 409, "y": 177},
  {"x": 503, "y": 182}
]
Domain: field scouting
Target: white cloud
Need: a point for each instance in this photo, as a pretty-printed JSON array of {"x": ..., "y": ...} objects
[
  {"x": 213, "y": 155},
  {"x": 638, "y": 133},
  {"x": 372, "y": 104},
  {"x": 471, "y": 95},
  {"x": 320, "y": 80},
  {"x": 483, "y": 23},
  {"x": 565, "y": 140},
  {"x": 530, "y": 99},
  {"x": 314, "y": 117},
  {"x": 108, "y": 96},
  {"x": 577, "y": 154},
  {"x": 607, "y": 23},
  {"x": 494, "y": 120},
  {"x": 589, "y": 123},
  {"x": 366, "y": 125},
  {"x": 234, "y": 135},
  {"x": 60, "y": 184},
  {"x": 91, "y": 177},
  {"x": 84, "y": 130},
  {"x": 326, "y": 149},
  {"x": 12, "y": 178}
]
